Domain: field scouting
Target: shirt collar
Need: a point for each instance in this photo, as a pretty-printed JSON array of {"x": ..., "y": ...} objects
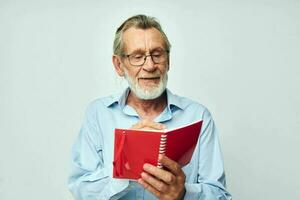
[
  {"x": 174, "y": 101},
  {"x": 120, "y": 99}
]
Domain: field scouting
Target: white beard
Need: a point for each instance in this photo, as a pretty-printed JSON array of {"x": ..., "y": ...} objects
[{"x": 149, "y": 93}]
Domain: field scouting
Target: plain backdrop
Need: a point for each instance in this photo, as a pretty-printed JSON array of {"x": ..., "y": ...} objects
[{"x": 238, "y": 58}]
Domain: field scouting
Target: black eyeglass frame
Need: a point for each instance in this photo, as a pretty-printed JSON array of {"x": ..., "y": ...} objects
[{"x": 145, "y": 58}]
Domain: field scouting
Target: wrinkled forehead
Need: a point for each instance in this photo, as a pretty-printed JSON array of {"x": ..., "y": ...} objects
[{"x": 142, "y": 39}]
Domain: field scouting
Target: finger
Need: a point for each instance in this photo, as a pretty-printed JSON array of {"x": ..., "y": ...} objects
[
  {"x": 173, "y": 166},
  {"x": 148, "y": 124},
  {"x": 150, "y": 188},
  {"x": 154, "y": 182},
  {"x": 138, "y": 125},
  {"x": 162, "y": 174},
  {"x": 152, "y": 124}
]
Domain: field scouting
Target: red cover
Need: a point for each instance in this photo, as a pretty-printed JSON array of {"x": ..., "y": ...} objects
[{"x": 134, "y": 148}]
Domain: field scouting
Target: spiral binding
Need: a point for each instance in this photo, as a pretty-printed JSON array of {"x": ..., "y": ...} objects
[{"x": 162, "y": 147}]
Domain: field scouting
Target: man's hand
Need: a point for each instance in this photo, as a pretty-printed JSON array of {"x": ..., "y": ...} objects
[
  {"x": 147, "y": 124},
  {"x": 165, "y": 185}
]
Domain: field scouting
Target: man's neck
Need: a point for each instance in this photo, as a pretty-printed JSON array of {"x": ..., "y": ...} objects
[{"x": 147, "y": 109}]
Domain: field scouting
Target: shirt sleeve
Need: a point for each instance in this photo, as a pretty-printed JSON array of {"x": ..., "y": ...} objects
[
  {"x": 210, "y": 182},
  {"x": 90, "y": 178}
]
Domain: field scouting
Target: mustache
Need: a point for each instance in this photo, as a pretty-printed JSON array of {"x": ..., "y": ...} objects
[{"x": 156, "y": 75}]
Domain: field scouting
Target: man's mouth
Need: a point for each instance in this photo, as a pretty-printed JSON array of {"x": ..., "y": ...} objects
[
  {"x": 149, "y": 78},
  {"x": 149, "y": 81}
]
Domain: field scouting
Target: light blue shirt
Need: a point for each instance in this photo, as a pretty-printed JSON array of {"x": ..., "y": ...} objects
[{"x": 92, "y": 153}]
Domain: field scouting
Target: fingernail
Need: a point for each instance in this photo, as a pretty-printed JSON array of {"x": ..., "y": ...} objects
[
  {"x": 160, "y": 157},
  {"x": 146, "y": 166}
]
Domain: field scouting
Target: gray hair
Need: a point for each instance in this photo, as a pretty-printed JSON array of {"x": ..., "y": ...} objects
[{"x": 141, "y": 22}]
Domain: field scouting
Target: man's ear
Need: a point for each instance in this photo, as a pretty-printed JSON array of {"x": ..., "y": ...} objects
[{"x": 117, "y": 64}]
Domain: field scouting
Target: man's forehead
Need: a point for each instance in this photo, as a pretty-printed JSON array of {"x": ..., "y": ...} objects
[{"x": 147, "y": 39}]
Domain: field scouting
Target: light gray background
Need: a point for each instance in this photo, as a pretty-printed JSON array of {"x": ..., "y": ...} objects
[{"x": 239, "y": 58}]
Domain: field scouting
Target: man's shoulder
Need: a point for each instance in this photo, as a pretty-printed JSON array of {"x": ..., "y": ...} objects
[
  {"x": 192, "y": 107},
  {"x": 187, "y": 103}
]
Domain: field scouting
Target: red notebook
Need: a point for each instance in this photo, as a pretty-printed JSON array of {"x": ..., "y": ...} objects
[{"x": 134, "y": 148}]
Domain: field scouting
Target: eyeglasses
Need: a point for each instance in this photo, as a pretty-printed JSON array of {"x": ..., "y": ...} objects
[{"x": 139, "y": 59}]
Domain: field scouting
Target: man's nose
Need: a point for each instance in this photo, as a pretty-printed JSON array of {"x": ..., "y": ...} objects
[{"x": 149, "y": 65}]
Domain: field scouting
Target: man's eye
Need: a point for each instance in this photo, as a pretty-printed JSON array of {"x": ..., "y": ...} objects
[
  {"x": 156, "y": 55},
  {"x": 138, "y": 56}
]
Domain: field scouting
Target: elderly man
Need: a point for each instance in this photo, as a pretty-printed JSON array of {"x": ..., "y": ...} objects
[{"x": 141, "y": 55}]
